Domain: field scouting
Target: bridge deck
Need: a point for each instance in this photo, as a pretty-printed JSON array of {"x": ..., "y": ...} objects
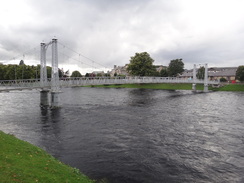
[{"x": 8, "y": 85}]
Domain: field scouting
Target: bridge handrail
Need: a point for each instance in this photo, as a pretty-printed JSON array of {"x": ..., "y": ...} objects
[{"x": 79, "y": 81}]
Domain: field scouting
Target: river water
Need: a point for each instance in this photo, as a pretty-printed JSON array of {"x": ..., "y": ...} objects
[{"x": 136, "y": 135}]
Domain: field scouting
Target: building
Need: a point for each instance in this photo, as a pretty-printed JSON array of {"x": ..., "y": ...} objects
[
  {"x": 119, "y": 70},
  {"x": 98, "y": 73},
  {"x": 122, "y": 70},
  {"x": 160, "y": 67},
  {"x": 215, "y": 73}
]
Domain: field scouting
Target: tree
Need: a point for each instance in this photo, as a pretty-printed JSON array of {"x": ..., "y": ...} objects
[
  {"x": 1, "y": 71},
  {"x": 223, "y": 80},
  {"x": 49, "y": 72},
  {"x": 62, "y": 73},
  {"x": 141, "y": 65},
  {"x": 76, "y": 74},
  {"x": 201, "y": 73},
  {"x": 21, "y": 62},
  {"x": 240, "y": 73},
  {"x": 164, "y": 73},
  {"x": 106, "y": 75},
  {"x": 175, "y": 67}
]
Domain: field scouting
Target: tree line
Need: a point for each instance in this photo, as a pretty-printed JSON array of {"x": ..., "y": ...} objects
[
  {"x": 142, "y": 65},
  {"x": 22, "y": 71},
  {"x": 14, "y": 72}
]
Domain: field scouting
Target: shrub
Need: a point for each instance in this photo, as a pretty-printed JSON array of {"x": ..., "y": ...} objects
[{"x": 223, "y": 80}]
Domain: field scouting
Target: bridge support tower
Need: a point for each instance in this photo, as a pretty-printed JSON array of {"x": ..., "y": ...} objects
[
  {"x": 44, "y": 102},
  {"x": 194, "y": 78},
  {"x": 55, "y": 89},
  {"x": 206, "y": 78}
]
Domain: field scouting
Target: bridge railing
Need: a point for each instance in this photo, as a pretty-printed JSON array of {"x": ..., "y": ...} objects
[
  {"x": 81, "y": 81},
  {"x": 126, "y": 80},
  {"x": 25, "y": 83}
]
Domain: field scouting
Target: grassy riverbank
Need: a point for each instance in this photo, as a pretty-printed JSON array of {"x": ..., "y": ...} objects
[
  {"x": 24, "y": 163},
  {"x": 229, "y": 87},
  {"x": 176, "y": 86},
  {"x": 164, "y": 86}
]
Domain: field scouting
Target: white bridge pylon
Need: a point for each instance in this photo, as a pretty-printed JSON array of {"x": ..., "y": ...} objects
[
  {"x": 55, "y": 88},
  {"x": 206, "y": 81},
  {"x": 55, "y": 75}
]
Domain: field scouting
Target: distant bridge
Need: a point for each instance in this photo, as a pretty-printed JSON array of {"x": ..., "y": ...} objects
[
  {"x": 28, "y": 84},
  {"x": 53, "y": 85}
]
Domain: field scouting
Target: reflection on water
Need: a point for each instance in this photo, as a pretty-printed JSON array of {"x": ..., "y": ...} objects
[
  {"x": 136, "y": 135},
  {"x": 140, "y": 97}
]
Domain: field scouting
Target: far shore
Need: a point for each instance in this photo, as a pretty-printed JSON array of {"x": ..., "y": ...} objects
[{"x": 177, "y": 86}]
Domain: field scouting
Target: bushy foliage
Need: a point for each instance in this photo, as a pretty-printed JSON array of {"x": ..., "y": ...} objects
[
  {"x": 141, "y": 65},
  {"x": 201, "y": 73},
  {"x": 223, "y": 80},
  {"x": 76, "y": 74},
  {"x": 164, "y": 73},
  {"x": 22, "y": 71},
  {"x": 240, "y": 73},
  {"x": 175, "y": 67}
]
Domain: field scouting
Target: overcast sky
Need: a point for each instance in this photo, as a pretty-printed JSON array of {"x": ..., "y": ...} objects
[{"x": 109, "y": 32}]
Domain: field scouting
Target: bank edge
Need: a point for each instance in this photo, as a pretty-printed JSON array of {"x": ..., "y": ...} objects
[
  {"x": 23, "y": 162},
  {"x": 175, "y": 86}
]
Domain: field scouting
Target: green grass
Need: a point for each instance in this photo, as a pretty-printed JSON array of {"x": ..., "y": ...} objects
[
  {"x": 22, "y": 162},
  {"x": 175, "y": 86},
  {"x": 229, "y": 87},
  {"x": 164, "y": 86}
]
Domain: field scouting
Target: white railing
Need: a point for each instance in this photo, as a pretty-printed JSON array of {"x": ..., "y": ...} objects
[{"x": 82, "y": 81}]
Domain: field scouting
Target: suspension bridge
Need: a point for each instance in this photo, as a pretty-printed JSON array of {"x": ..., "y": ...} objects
[{"x": 54, "y": 84}]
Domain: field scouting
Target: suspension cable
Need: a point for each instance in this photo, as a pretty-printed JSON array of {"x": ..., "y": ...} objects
[{"x": 91, "y": 60}]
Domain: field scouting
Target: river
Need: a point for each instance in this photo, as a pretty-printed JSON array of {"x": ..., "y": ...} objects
[{"x": 136, "y": 135}]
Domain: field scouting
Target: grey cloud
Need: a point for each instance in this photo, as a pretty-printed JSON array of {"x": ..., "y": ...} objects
[{"x": 110, "y": 32}]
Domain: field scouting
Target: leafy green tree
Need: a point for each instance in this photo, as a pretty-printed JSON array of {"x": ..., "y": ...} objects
[
  {"x": 49, "y": 72},
  {"x": 164, "y": 73},
  {"x": 29, "y": 72},
  {"x": 141, "y": 65},
  {"x": 62, "y": 73},
  {"x": 156, "y": 74},
  {"x": 10, "y": 72},
  {"x": 240, "y": 73},
  {"x": 175, "y": 67},
  {"x": 201, "y": 73},
  {"x": 21, "y": 62},
  {"x": 76, "y": 74},
  {"x": 99, "y": 74},
  {"x": 22, "y": 71},
  {"x": 38, "y": 70},
  {"x": 1, "y": 71},
  {"x": 223, "y": 80},
  {"x": 87, "y": 75}
]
